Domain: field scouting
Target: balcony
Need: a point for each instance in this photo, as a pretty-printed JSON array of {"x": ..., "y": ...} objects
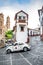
[{"x": 22, "y": 21}]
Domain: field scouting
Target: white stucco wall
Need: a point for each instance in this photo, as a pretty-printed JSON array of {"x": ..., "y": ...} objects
[{"x": 21, "y": 36}]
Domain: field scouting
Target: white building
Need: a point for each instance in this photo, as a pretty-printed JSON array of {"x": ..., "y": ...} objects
[
  {"x": 34, "y": 32},
  {"x": 40, "y": 12},
  {"x": 20, "y": 27}
]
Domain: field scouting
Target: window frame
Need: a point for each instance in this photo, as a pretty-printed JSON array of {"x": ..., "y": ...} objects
[
  {"x": 20, "y": 17},
  {"x": 15, "y": 44},
  {"x": 24, "y": 17},
  {"x": 21, "y": 28}
]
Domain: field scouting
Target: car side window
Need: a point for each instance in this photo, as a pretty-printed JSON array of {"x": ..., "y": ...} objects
[
  {"x": 15, "y": 44},
  {"x": 21, "y": 44}
]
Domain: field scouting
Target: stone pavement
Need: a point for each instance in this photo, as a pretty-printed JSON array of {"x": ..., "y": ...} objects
[{"x": 32, "y": 57}]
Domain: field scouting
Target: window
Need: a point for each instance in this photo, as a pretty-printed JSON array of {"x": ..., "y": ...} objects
[
  {"x": 15, "y": 44},
  {"x": 42, "y": 18},
  {"x": 0, "y": 31},
  {"x": 21, "y": 44},
  {"x": 42, "y": 12},
  {"x": 19, "y": 17},
  {"x": 22, "y": 28},
  {"x": 23, "y": 17}
]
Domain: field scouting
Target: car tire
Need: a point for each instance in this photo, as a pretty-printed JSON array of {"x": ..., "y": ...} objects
[
  {"x": 25, "y": 49},
  {"x": 8, "y": 51}
]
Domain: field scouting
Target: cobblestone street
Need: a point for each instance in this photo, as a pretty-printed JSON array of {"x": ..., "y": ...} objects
[{"x": 32, "y": 57}]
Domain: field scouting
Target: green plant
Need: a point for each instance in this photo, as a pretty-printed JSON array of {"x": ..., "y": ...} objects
[{"x": 9, "y": 34}]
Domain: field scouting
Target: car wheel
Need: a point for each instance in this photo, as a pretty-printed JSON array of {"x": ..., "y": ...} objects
[
  {"x": 8, "y": 51},
  {"x": 25, "y": 49}
]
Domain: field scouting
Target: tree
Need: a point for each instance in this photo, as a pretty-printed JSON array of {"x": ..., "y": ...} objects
[{"x": 9, "y": 34}]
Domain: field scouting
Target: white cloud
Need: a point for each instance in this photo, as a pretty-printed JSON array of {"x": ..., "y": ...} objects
[
  {"x": 31, "y": 9},
  {"x": 8, "y": 11}
]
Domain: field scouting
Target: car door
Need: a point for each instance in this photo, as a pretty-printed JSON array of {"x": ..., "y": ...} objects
[
  {"x": 20, "y": 46},
  {"x": 15, "y": 47}
]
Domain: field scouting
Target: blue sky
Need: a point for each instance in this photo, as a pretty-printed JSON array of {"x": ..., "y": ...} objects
[
  {"x": 20, "y": 2},
  {"x": 10, "y": 7},
  {"x": 11, "y": 2}
]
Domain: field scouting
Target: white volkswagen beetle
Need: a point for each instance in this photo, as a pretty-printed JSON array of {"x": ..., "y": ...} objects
[{"x": 18, "y": 47}]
